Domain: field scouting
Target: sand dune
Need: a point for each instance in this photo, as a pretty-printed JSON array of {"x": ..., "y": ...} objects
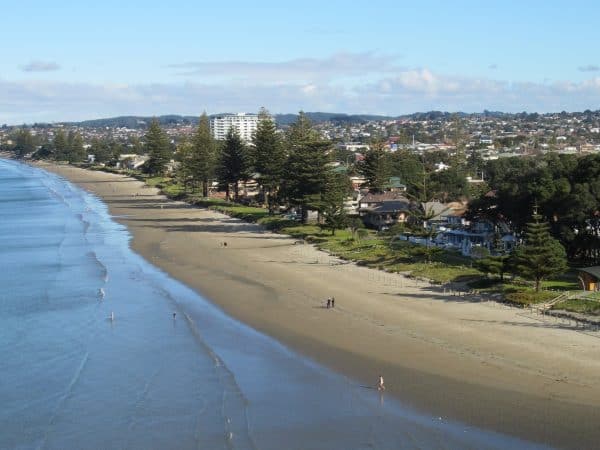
[{"x": 479, "y": 362}]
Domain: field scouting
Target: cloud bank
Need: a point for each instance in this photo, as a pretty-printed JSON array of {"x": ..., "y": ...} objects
[
  {"x": 295, "y": 70},
  {"x": 351, "y": 83},
  {"x": 40, "y": 66},
  {"x": 589, "y": 68}
]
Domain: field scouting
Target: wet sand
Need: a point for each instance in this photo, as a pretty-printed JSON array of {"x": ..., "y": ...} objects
[{"x": 482, "y": 363}]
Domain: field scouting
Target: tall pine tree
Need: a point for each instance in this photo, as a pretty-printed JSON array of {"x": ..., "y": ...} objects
[
  {"x": 334, "y": 195},
  {"x": 234, "y": 164},
  {"x": 204, "y": 156},
  {"x": 158, "y": 149},
  {"x": 307, "y": 168},
  {"x": 75, "y": 151},
  {"x": 183, "y": 154},
  {"x": 60, "y": 145},
  {"x": 541, "y": 256},
  {"x": 268, "y": 157},
  {"x": 376, "y": 167},
  {"x": 24, "y": 143}
]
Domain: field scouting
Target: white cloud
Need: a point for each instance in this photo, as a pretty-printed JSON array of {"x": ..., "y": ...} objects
[
  {"x": 301, "y": 70},
  {"x": 40, "y": 66},
  {"x": 589, "y": 68},
  {"x": 395, "y": 91}
]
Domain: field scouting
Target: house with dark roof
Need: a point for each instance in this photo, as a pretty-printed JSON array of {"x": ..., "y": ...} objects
[{"x": 382, "y": 210}]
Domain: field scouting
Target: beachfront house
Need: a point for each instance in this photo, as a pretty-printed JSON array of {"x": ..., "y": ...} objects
[
  {"x": 496, "y": 238},
  {"x": 131, "y": 161},
  {"x": 385, "y": 209}
]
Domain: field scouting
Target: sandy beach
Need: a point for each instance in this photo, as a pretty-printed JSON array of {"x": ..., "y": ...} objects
[{"x": 482, "y": 363}]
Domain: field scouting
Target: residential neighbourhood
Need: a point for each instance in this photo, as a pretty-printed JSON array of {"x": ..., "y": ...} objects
[{"x": 487, "y": 136}]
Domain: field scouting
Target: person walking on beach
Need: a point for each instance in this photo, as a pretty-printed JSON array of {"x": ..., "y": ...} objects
[
  {"x": 332, "y": 302},
  {"x": 380, "y": 385},
  {"x": 328, "y": 302}
]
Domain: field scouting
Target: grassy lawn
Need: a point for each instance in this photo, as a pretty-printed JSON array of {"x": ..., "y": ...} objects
[
  {"x": 519, "y": 292},
  {"x": 565, "y": 282},
  {"x": 580, "y": 305},
  {"x": 527, "y": 297},
  {"x": 594, "y": 296}
]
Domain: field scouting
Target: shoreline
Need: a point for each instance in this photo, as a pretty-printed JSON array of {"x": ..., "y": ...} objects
[{"x": 484, "y": 364}]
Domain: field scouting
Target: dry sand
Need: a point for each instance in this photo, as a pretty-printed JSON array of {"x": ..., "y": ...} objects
[{"x": 478, "y": 362}]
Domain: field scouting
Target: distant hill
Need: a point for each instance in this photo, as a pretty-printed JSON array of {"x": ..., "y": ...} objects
[
  {"x": 173, "y": 119},
  {"x": 320, "y": 117},
  {"x": 134, "y": 121}
]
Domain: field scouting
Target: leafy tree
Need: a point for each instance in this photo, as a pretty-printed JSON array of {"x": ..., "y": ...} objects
[
  {"x": 421, "y": 218},
  {"x": 375, "y": 167},
  {"x": 204, "y": 155},
  {"x": 355, "y": 225},
  {"x": 541, "y": 256},
  {"x": 234, "y": 164},
  {"x": 497, "y": 265},
  {"x": 158, "y": 148},
  {"x": 269, "y": 156},
  {"x": 361, "y": 233},
  {"x": 449, "y": 185},
  {"x": 412, "y": 172}
]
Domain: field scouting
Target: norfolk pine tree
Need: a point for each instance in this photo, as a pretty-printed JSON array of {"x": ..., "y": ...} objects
[
  {"x": 334, "y": 213},
  {"x": 306, "y": 171},
  {"x": 234, "y": 164},
  {"x": 541, "y": 256},
  {"x": 204, "y": 154},
  {"x": 75, "y": 151},
  {"x": 376, "y": 167},
  {"x": 158, "y": 149},
  {"x": 60, "y": 145},
  {"x": 269, "y": 157},
  {"x": 185, "y": 150}
]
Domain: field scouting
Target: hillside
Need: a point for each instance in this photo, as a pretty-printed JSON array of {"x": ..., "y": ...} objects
[{"x": 173, "y": 119}]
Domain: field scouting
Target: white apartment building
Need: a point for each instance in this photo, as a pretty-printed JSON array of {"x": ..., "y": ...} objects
[{"x": 245, "y": 124}]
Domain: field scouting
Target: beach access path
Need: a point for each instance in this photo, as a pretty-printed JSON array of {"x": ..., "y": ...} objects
[{"x": 479, "y": 362}]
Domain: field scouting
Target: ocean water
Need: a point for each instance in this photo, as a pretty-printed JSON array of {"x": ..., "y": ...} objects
[{"x": 73, "y": 378}]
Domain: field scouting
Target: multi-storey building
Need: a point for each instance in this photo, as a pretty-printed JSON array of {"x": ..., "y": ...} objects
[{"x": 245, "y": 124}]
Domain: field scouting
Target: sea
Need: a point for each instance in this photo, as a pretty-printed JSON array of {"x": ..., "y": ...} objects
[{"x": 101, "y": 350}]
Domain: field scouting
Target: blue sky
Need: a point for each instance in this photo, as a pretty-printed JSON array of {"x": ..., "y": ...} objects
[{"x": 67, "y": 61}]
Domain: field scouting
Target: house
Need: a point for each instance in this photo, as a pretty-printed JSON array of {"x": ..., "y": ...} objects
[
  {"x": 483, "y": 233},
  {"x": 444, "y": 215},
  {"x": 590, "y": 278},
  {"x": 394, "y": 185},
  {"x": 131, "y": 161},
  {"x": 385, "y": 209},
  {"x": 441, "y": 166}
]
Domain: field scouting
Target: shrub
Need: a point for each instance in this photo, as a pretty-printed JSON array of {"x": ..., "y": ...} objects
[{"x": 528, "y": 297}]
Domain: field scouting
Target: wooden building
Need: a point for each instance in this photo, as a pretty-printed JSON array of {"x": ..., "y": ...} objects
[{"x": 590, "y": 278}]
